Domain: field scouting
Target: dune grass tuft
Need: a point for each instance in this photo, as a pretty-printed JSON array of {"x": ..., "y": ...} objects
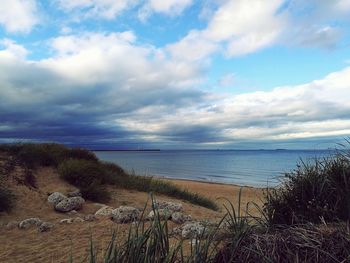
[{"x": 314, "y": 192}]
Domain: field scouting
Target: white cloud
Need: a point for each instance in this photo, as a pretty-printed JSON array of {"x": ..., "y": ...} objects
[
  {"x": 193, "y": 47},
  {"x": 318, "y": 109},
  {"x": 108, "y": 9},
  {"x": 97, "y": 78},
  {"x": 242, "y": 26},
  {"x": 115, "y": 58},
  {"x": 18, "y": 15},
  {"x": 12, "y": 50},
  {"x": 167, "y": 7}
]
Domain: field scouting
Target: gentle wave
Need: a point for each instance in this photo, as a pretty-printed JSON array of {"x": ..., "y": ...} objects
[{"x": 253, "y": 168}]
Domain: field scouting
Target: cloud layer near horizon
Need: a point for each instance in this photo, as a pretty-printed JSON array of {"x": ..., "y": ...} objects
[{"x": 106, "y": 88}]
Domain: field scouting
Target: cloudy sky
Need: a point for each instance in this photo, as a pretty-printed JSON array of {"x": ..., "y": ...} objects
[{"x": 170, "y": 74}]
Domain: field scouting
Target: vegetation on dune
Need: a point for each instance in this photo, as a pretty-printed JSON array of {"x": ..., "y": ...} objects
[
  {"x": 82, "y": 169},
  {"x": 33, "y": 155},
  {"x": 238, "y": 237},
  {"x": 151, "y": 243},
  {"x": 7, "y": 199},
  {"x": 313, "y": 192}
]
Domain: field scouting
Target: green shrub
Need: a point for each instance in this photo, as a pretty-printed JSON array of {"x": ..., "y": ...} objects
[
  {"x": 96, "y": 193},
  {"x": 81, "y": 173},
  {"x": 313, "y": 192},
  {"x": 7, "y": 199},
  {"x": 79, "y": 153},
  {"x": 32, "y": 155}
]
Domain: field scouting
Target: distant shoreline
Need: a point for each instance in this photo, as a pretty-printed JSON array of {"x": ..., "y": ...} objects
[{"x": 141, "y": 150}]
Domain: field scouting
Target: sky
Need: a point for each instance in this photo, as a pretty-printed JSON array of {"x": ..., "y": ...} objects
[{"x": 175, "y": 74}]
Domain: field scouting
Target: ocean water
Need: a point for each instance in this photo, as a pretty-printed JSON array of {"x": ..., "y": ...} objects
[{"x": 243, "y": 167}]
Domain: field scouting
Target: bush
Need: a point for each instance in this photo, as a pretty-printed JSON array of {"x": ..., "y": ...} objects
[
  {"x": 7, "y": 199},
  {"x": 33, "y": 155},
  {"x": 96, "y": 193},
  {"x": 46, "y": 154},
  {"x": 82, "y": 173},
  {"x": 79, "y": 153},
  {"x": 312, "y": 193}
]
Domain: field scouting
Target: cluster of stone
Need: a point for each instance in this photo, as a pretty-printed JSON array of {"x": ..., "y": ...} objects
[
  {"x": 30, "y": 222},
  {"x": 65, "y": 204}
]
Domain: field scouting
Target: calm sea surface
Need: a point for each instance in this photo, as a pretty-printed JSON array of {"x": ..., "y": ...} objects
[{"x": 250, "y": 167}]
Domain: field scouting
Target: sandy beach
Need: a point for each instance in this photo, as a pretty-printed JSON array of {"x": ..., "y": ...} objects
[{"x": 56, "y": 245}]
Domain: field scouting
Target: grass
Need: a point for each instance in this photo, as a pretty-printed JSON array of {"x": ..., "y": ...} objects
[
  {"x": 244, "y": 240},
  {"x": 115, "y": 175},
  {"x": 7, "y": 199},
  {"x": 305, "y": 219},
  {"x": 151, "y": 243},
  {"x": 313, "y": 192},
  {"x": 82, "y": 169}
]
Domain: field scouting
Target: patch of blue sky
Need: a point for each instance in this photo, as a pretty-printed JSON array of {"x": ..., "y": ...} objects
[{"x": 277, "y": 66}]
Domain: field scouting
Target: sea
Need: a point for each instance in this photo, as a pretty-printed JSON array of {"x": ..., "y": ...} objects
[{"x": 258, "y": 168}]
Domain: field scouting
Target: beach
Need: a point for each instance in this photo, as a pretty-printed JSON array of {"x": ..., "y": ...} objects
[{"x": 55, "y": 246}]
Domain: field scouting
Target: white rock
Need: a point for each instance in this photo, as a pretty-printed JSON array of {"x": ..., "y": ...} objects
[
  {"x": 29, "y": 222},
  {"x": 69, "y": 204},
  {"x": 180, "y": 218},
  {"x": 192, "y": 230},
  {"x": 66, "y": 221},
  {"x": 104, "y": 211},
  {"x": 175, "y": 207},
  {"x": 55, "y": 198},
  {"x": 125, "y": 214}
]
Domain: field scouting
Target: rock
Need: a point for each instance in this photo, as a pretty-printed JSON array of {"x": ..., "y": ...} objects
[
  {"x": 74, "y": 194},
  {"x": 90, "y": 218},
  {"x": 45, "y": 226},
  {"x": 176, "y": 231},
  {"x": 12, "y": 225},
  {"x": 78, "y": 220},
  {"x": 180, "y": 218},
  {"x": 69, "y": 204},
  {"x": 66, "y": 221},
  {"x": 192, "y": 230},
  {"x": 125, "y": 214},
  {"x": 175, "y": 207},
  {"x": 29, "y": 222},
  {"x": 163, "y": 214},
  {"x": 55, "y": 198},
  {"x": 104, "y": 211}
]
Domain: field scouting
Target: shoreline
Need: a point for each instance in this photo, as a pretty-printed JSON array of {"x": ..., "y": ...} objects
[{"x": 207, "y": 182}]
